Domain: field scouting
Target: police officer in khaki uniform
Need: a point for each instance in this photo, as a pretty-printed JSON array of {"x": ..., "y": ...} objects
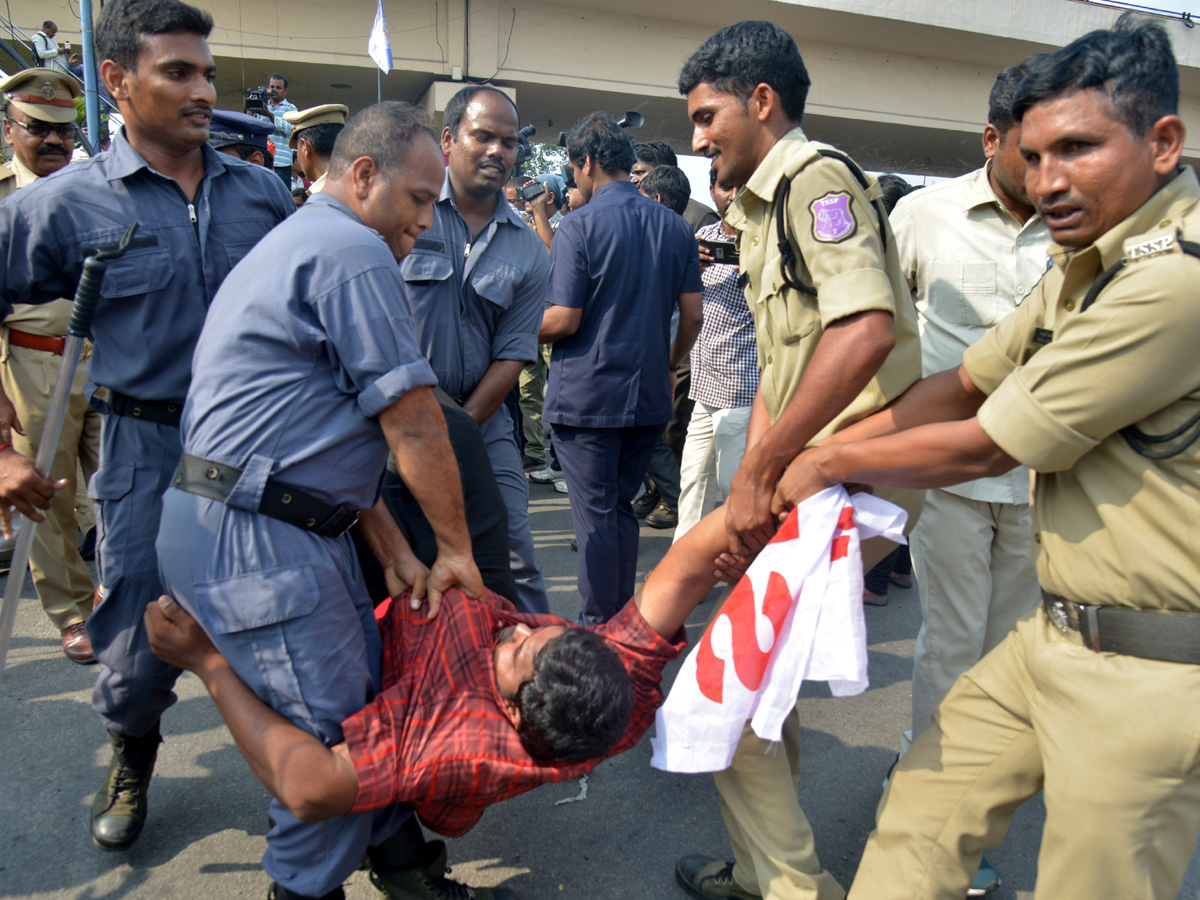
[
  {"x": 1093, "y": 382},
  {"x": 314, "y": 131},
  {"x": 39, "y": 123},
  {"x": 837, "y": 340}
]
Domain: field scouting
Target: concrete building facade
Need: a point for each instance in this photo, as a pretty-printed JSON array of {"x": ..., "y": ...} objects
[{"x": 900, "y": 84}]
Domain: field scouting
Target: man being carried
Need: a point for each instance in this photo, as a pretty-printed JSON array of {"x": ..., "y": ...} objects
[{"x": 534, "y": 698}]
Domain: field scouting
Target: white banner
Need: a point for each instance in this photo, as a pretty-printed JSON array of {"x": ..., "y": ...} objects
[{"x": 795, "y": 615}]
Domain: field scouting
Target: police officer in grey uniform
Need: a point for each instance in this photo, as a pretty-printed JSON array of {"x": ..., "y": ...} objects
[
  {"x": 200, "y": 212},
  {"x": 297, "y": 398},
  {"x": 476, "y": 282}
]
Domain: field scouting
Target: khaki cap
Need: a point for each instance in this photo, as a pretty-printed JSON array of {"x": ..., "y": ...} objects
[
  {"x": 44, "y": 94},
  {"x": 325, "y": 114}
]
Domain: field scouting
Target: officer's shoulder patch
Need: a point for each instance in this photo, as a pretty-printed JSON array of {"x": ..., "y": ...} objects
[
  {"x": 1152, "y": 243},
  {"x": 833, "y": 217}
]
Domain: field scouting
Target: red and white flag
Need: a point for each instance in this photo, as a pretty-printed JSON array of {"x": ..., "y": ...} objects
[{"x": 795, "y": 615}]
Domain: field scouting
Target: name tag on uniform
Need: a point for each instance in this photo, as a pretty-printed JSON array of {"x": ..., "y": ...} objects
[
  {"x": 428, "y": 244},
  {"x": 1151, "y": 247},
  {"x": 1042, "y": 335}
]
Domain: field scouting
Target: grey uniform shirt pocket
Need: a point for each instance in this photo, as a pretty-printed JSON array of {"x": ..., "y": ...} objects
[
  {"x": 135, "y": 274},
  {"x": 494, "y": 281}
]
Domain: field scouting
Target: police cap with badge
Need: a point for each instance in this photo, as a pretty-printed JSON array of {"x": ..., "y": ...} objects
[
  {"x": 43, "y": 94},
  {"x": 325, "y": 114},
  {"x": 235, "y": 129}
]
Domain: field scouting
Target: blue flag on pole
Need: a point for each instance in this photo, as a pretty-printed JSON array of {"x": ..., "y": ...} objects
[{"x": 378, "y": 45}]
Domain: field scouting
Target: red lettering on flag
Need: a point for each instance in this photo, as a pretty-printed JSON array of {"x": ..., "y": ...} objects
[{"x": 749, "y": 661}]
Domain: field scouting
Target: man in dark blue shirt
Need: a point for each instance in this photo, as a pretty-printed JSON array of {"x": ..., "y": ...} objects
[
  {"x": 618, "y": 267},
  {"x": 204, "y": 211}
]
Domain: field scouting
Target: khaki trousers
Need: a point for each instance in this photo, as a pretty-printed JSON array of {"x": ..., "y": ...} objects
[
  {"x": 773, "y": 851},
  {"x": 60, "y": 575},
  {"x": 1114, "y": 743},
  {"x": 976, "y": 578},
  {"x": 532, "y": 388}
]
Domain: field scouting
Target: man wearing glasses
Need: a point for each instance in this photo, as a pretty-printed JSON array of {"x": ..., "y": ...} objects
[{"x": 39, "y": 124}]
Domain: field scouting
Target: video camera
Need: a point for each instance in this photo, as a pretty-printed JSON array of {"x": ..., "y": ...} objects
[
  {"x": 256, "y": 100},
  {"x": 524, "y": 151}
]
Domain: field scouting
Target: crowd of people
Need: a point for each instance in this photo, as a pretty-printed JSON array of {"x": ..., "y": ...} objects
[{"x": 312, "y": 410}]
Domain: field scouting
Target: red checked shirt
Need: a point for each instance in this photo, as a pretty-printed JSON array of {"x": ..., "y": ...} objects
[{"x": 437, "y": 736}]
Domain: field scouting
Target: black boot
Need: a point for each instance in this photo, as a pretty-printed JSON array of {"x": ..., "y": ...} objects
[
  {"x": 428, "y": 880},
  {"x": 279, "y": 892},
  {"x": 119, "y": 809}
]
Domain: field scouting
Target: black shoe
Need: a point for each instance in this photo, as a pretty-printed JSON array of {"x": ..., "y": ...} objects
[
  {"x": 279, "y": 892},
  {"x": 709, "y": 879},
  {"x": 87, "y": 547},
  {"x": 429, "y": 882},
  {"x": 644, "y": 505},
  {"x": 119, "y": 809},
  {"x": 575, "y": 544},
  {"x": 663, "y": 517}
]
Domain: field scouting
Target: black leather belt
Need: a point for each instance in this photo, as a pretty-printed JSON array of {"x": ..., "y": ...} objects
[
  {"x": 157, "y": 411},
  {"x": 1165, "y": 635},
  {"x": 280, "y": 500}
]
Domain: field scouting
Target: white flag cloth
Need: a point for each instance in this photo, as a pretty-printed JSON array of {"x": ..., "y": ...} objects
[
  {"x": 378, "y": 45},
  {"x": 796, "y": 614}
]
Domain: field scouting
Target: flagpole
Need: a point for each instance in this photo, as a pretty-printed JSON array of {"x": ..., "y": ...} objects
[{"x": 378, "y": 85}]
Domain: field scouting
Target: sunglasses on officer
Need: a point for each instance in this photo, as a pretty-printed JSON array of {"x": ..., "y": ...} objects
[{"x": 41, "y": 130}]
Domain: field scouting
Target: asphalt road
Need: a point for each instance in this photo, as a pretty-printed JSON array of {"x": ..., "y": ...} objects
[{"x": 616, "y": 840}]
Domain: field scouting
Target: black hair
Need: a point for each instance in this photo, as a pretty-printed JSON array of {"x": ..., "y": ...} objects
[
  {"x": 283, "y": 78},
  {"x": 452, "y": 117},
  {"x": 123, "y": 23},
  {"x": 579, "y": 700},
  {"x": 740, "y": 57},
  {"x": 894, "y": 187},
  {"x": 47, "y": 25},
  {"x": 1132, "y": 63},
  {"x": 599, "y": 136},
  {"x": 300, "y": 192},
  {"x": 384, "y": 132},
  {"x": 321, "y": 137},
  {"x": 657, "y": 153},
  {"x": 1000, "y": 100},
  {"x": 670, "y": 184},
  {"x": 245, "y": 151}
]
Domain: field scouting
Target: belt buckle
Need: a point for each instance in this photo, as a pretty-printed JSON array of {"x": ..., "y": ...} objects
[{"x": 1057, "y": 611}]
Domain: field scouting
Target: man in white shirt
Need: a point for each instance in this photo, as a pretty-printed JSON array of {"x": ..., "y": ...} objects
[
  {"x": 47, "y": 51},
  {"x": 971, "y": 250}
]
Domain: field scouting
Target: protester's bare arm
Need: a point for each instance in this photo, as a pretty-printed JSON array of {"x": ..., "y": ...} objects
[
  {"x": 416, "y": 433},
  {"x": 559, "y": 322},
  {"x": 927, "y": 456},
  {"x": 847, "y": 357},
  {"x": 401, "y": 568},
  {"x": 498, "y": 379},
  {"x": 313, "y": 781},
  {"x": 685, "y": 576}
]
